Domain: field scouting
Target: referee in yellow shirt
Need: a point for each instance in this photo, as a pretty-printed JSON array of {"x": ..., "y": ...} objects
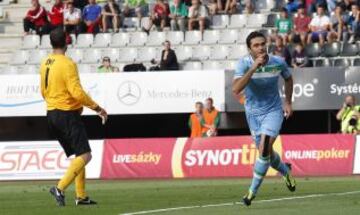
[{"x": 65, "y": 99}]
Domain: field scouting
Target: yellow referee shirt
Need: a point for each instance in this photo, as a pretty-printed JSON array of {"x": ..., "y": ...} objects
[{"x": 60, "y": 85}]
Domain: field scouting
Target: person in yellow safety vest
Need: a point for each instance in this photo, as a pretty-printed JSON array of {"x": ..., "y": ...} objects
[
  {"x": 212, "y": 119},
  {"x": 349, "y": 116}
]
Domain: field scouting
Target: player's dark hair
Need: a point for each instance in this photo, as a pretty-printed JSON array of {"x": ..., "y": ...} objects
[
  {"x": 210, "y": 99},
  {"x": 58, "y": 38},
  {"x": 253, "y": 35},
  {"x": 199, "y": 103}
]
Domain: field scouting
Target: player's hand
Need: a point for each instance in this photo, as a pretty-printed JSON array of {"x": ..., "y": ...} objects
[
  {"x": 103, "y": 115},
  {"x": 288, "y": 111},
  {"x": 260, "y": 61}
]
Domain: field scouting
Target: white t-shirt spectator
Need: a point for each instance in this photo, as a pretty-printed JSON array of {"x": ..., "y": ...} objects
[
  {"x": 76, "y": 14},
  {"x": 198, "y": 12},
  {"x": 320, "y": 23}
]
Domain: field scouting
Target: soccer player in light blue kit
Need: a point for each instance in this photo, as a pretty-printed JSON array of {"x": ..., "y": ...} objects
[{"x": 258, "y": 74}]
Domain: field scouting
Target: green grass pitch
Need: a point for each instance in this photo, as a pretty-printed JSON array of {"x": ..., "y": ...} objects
[{"x": 118, "y": 197}]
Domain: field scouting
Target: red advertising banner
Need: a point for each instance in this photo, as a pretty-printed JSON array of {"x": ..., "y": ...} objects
[
  {"x": 319, "y": 155},
  {"x": 137, "y": 158}
]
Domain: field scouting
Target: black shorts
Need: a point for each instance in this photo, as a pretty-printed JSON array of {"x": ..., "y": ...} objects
[{"x": 68, "y": 128}]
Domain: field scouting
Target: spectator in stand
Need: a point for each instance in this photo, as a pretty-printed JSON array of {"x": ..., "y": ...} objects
[
  {"x": 222, "y": 6},
  {"x": 338, "y": 27},
  {"x": 299, "y": 58},
  {"x": 292, "y": 6},
  {"x": 211, "y": 118},
  {"x": 35, "y": 19},
  {"x": 106, "y": 66},
  {"x": 80, "y": 4},
  {"x": 319, "y": 26},
  {"x": 168, "y": 59},
  {"x": 72, "y": 19},
  {"x": 281, "y": 50},
  {"x": 197, "y": 16},
  {"x": 196, "y": 121},
  {"x": 301, "y": 26},
  {"x": 249, "y": 7},
  {"x": 111, "y": 16},
  {"x": 178, "y": 14},
  {"x": 284, "y": 26},
  {"x": 349, "y": 115},
  {"x": 91, "y": 17},
  {"x": 312, "y": 7},
  {"x": 102, "y": 3},
  {"x": 159, "y": 16},
  {"x": 136, "y": 8},
  {"x": 354, "y": 23},
  {"x": 56, "y": 16}
]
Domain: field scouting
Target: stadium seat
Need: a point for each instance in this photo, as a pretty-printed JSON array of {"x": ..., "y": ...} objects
[
  {"x": 201, "y": 52},
  {"x": 120, "y": 66},
  {"x": 323, "y": 63},
  {"x": 237, "y": 51},
  {"x": 256, "y": 20},
  {"x": 31, "y": 41},
  {"x": 73, "y": 40},
  {"x": 92, "y": 56},
  {"x": 147, "y": 54},
  {"x": 131, "y": 22},
  {"x": 144, "y": 22},
  {"x": 75, "y": 54},
  {"x": 313, "y": 50},
  {"x": 138, "y": 38},
  {"x": 243, "y": 33},
  {"x": 267, "y": 32},
  {"x": 211, "y": 37},
  {"x": 120, "y": 40},
  {"x": 84, "y": 40},
  {"x": 342, "y": 62},
  {"x": 219, "y": 52},
  {"x": 31, "y": 69},
  {"x": 264, "y": 5},
  {"x": 212, "y": 65},
  {"x": 156, "y": 38},
  {"x": 183, "y": 53},
  {"x": 112, "y": 53},
  {"x": 19, "y": 57},
  {"x": 10, "y": 70},
  {"x": 128, "y": 55},
  {"x": 87, "y": 68},
  {"x": 220, "y": 21},
  {"x": 230, "y": 65},
  {"x": 193, "y": 37},
  {"x": 102, "y": 40},
  {"x": 45, "y": 42},
  {"x": 238, "y": 21},
  {"x": 332, "y": 49},
  {"x": 270, "y": 20},
  {"x": 175, "y": 37},
  {"x": 356, "y": 62},
  {"x": 228, "y": 36},
  {"x": 192, "y": 65},
  {"x": 36, "y": 56},
  {"x": 350, "y": 50}
]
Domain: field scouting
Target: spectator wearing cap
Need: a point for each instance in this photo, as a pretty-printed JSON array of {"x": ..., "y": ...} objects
[
  {"x": 35, "y": 19},
  {"x": 284, "y": 26},
  {"x": 72, "y": 19},
  {"x": 301, "y": 26},
  {"x": 281, "y": 50},
  {"x": 319, "y": 26},
  {"x": 178, "y": 13},
  {"x": 56, "y": 16},
  {"x": 354, "y": 23},
  {"x": 111, "y": 16},
  {"x": 91, "y": 17},
  {"x": 159, "y": 16},
  {"x": 299, "y": 58},
  {"x": 197, "y": 16},
  {"x": 136, "y": 8},
  {"x": 106, "y": 66},
  {"x": 338, "y": 27}
]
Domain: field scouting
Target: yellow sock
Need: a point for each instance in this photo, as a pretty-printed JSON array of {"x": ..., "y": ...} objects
[
  {"x": 80, "y": 185},
  {"x": 74, "y": 169}
]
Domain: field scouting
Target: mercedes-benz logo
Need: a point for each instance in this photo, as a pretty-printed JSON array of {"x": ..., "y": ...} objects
[{"x": 129, "y": 93}]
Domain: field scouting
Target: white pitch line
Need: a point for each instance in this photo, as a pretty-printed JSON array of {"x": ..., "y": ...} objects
[{"x": 237, "y": 203}]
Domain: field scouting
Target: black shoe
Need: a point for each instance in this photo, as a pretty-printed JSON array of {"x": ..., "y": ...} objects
[
  {"x": 248, "y": 198},
  {"x": 59, "y": 196},
  {"x": 86, "y": 201},
  {"x": 289, "y": 180}
]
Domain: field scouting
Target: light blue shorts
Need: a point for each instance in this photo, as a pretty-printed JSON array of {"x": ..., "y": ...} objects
[{"x": 268, "y": 124}]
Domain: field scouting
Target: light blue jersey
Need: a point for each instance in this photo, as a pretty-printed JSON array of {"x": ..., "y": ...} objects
[{"x": 262, "y": 92}]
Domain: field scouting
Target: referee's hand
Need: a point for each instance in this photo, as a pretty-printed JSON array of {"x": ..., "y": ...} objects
[{"x": 102, "y": 114}]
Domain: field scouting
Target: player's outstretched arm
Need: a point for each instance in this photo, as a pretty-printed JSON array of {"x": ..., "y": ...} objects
[{"x": 288, "y": 97}]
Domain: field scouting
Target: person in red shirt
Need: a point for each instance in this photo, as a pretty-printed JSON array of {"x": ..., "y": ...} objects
[
  {"x": 56, "y": 16},
  {"x": 301, "y": 26},
  {"x": 159, "y": 16},
  {"x": 35, "y": 19}
]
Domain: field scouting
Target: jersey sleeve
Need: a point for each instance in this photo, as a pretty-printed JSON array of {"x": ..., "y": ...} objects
[
  {"x": 241, "y": 69},
  {"x": 74, "y": 87}
]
